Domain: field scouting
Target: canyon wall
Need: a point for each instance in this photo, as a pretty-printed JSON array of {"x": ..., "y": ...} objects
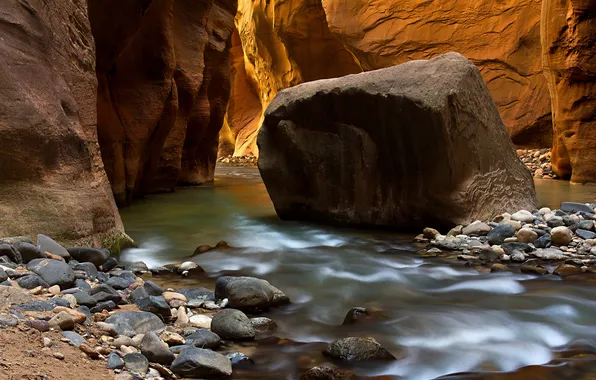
[
  {"x": 569, "y": 46},
  {"x": 52, "y": 179},
  {"x": 163, "y": 86},
  {"x": 286, "y": 42}
]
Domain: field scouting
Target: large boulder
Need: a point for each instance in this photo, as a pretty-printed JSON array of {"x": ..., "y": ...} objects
[
  {"x": 52, "y": 178},
  {"x": 568, "y": 46},
  {"x": 413, "y": 145},
  {"x": 53, "y": 272}
]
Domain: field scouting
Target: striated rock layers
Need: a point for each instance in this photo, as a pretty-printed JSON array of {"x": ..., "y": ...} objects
[
  {"x": 163, "y": 73},
  {"x": 569, "y": 47},
  {"x": 285, "y": 42},
  {"x": 417, "y": 144},
  {"x": 52, "y": 179}
]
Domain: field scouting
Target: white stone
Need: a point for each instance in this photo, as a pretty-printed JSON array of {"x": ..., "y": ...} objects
[
  {"x": 561, "y": 235},
  {"x": 523, "y": 216},
  {"x": 182, "y": 317},
  {"x": 187, "y": 265},
  {"x": 517, "y": 225},
  {"x": 200, "y": 321},
  {"x": 545, "y": 210}
]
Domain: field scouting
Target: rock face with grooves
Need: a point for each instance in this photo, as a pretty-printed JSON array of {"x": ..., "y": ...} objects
[
  {"x": 417, "y": 144},
  {"x": 163, "y": 73},
  {"x": 569, "y": 48},
  {"x": 52, "y": 179},
  {"x": 285, "y": 42}
]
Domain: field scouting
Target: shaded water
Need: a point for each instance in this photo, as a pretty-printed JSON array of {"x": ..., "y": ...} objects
[{"x": 444, "y": 318}]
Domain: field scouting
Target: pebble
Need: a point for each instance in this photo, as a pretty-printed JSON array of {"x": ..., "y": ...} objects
[
  {"x": 561, "y": 235},
  {"x": 59, "y": 355},
  {"x": 47, "y": 342},
  {"x": 199, "y": 321},
  {"x": 526, "y": 235},
  {"x": 55, "y": 290},
  {"x": 523, "y": 216}
]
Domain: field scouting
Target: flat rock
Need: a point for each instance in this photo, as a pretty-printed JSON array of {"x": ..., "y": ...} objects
[
  {"x": 357, "y": 349},
  {"x": 585, "y": 234},
  {"x": 155, "y": 305},
  {"x": 53, "y": 272},
  {"x": 32, "y": 281},
  {"x": 136, "y": 363},
  {"x": 74, "y": 338},
  {"x": 47, "y": 244},
  {"x": 114, "y": 361},
  {"x": 203, "y": 338},
  {"x": 498, "y": 234},
  {"x": 92, "y": 255},
  {"x": 196, "y": 297},
  {"x": 233, "y": 325},
  {"x": 200, "y": 363},
  {"x": 574, "y": 207},
  {"x": 155, "y": 350},
  {"x": 476, "y": 228},
  {"x": 131, "y": 323}
]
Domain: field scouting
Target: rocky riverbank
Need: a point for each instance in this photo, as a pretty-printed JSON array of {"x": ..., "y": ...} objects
[
  {"x": 61, "y": 300},
  {"x": 249, "y": 160},
  {"x": 539, "y": 162},
  {"x": 545, "y": 241}
]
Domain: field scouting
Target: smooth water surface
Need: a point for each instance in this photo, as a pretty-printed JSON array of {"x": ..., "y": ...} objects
[{"x": 440, "y": 317}]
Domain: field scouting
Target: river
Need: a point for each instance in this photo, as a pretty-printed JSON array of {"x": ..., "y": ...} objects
[{"x": 443, "y": 318}]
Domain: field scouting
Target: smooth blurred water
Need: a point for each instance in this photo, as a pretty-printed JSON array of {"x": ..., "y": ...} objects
[{"x": 444, "y": 318}]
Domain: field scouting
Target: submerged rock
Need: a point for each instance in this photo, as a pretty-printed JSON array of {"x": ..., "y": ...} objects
[
  {"x": 327, "y": 373},
  {"x": 426, "y": 157},
  {"x": 357, "y": 349}
]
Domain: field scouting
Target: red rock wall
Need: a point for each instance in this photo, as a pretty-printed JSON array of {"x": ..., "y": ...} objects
[
  {"x": 52, "y": 178},
  {"x": 163, "y": 83},
  {"x": 569, "y": 47}
]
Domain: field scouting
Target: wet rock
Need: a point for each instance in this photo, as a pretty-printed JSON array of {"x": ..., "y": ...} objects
[
  {"x": 155, "y": 305},
  {"x": 248, "y": 293},
  {"x": 136, "y": 363},
  {"x": 526, "y": 235},
  {"x": 430, "y": 233},
  {"x": 92, "y": 255},
  {"x": 262, "y": 324},
  {"x": 565, "y": 270},
  {"x": 11, "y": 252},
  {"x": 510, "y": 247},
  {"x": 203, "y": 338},
  {"x": 155, "y": 350},
  {"x": 114, "y": 361},
  {"x": 62, "y": 320},
  {"x": 32, "y": 281},
  {"x": 574, "y": 207},
  {"x": 131, "y": 323},
  {"x": 517, "y": 256},
  {"x": 356, "y": 315},
  {"x": 561, "y": 236},
  {"x": 238, "y": 358},
  {"x": 488, "y": 256},
  {"x": 498, "y": 234},
  {"x": 585, "y": 234},
  {"x": 499, "y": 268},
  {"x": 232, "y": 324},
  {"x": 47, "y": 244},
  {"x": 153, "y": 289},
  {"x": 327, "y": 373},
  {"x": 74, "y": 338},
  {"x": 187, "y": 266},
  {"x": 476, "y": 228},
  {"x": 198, "y": 363},
  {"x": 357, "y": 349},
  {"x": 139, "y": 267},
  {"x": 53, "y": 272},
  {"x": 531, "y": 269}
]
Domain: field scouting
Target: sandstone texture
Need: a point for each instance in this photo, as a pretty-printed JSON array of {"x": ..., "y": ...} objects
[
  {"x": 286, "y": 42},
  {"x": 569, "y": 59},
  {"x": 52, "y": 178},
  {"x": 417, "y": 144},
  {"x": 163, "y": 73}
]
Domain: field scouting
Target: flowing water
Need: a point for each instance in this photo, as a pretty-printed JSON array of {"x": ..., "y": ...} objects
[{"x": 439, "y": 317}]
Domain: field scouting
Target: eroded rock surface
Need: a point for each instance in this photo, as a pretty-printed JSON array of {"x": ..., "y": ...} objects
[{"x": 399, "y": 147}]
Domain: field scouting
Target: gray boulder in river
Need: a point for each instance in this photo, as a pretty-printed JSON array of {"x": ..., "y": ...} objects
[{"x": 408, "y": 146}]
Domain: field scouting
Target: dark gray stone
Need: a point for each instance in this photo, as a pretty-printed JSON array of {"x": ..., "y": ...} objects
[
  {"x": 498, "y": 234},
  {"x": 119, "y": 283},
  {"x": 233, "y": 325},
  {"x": 37, "y": 305},
  {"x": 131, "y": 323},
  {"x": 110, "y": 264},
  {"x": 114, "y": 361},
  {"x": 11, "y": 252},
  {"x": 262, "y": 324},
  {"x": 3, "y": 275},
  {"x": 544, "y": 241},
  {"x": 136, "y": 363},
  {"x": 153, "y": 289},
  {"x": 357, "y": 349},
  {"x": 155, "y": 305},
  {"x": 197, "y": 296},
  {"x": 569, "y": 220},
  {"x": 103, "y": 292},
  {"x": 585, "y": 234},
  {"x": 138, "y": 267},
  {"x": 138, "y": 294},
  {"x": 85, "y": 299},
  {"x": 238, "y": 358},
  {"x": 32, "y": 281},
  {"x": 586, "y": 225},
  {"x": 60, "y": 302},
  {"x": 200, "y": 363},
  {"x": 248, "y": 293},
  {"x": 510, "y": 247},
  {"x": 92, "y": 255},
  {"x": 82, "y": 284},
  {"x": 74, "y": 338},
  {"x": 203, "y": 338},
  {"x": 85, "y": 310},
  {"x": 47, "y": 244},
  {"x": 106, "y": 305},
  {"x": 155, "y": 350},
  {"x": 574, "y": 207},
  {"x": 555, "y": 221},
  {"x": 89, "y": 268},
  {"x": 53, "y": 272},
  {"x": 102, "y": 277}
]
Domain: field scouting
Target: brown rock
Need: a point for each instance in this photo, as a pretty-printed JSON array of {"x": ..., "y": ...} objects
[
  {"x": 163, "y": 86},
  {"x": 327, "y": 373},
  {"x": 433, "y": 152},
  {"x": 63, "y": 320},
  {"x": 569, "y": 46},
  {"x": 52, "y": 177},
  {"x": 284, "y": 43},
  {"x": 89, "y": 351}
]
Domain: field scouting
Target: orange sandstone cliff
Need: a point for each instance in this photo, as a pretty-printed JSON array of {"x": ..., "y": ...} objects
[{"x": 285, "y": 42}]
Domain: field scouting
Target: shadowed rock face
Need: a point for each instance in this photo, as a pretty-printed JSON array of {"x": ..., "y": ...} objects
[
  {"x": 293, "y": 41},
  {"x": 163, "y": 85},
  {"x": 413, "y": 145},
  {"x": 52, "y": 179},
  {"x": 569, "y": 58}
]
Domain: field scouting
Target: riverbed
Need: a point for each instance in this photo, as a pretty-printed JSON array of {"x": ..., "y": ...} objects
[{"x": 442, "y": 318}]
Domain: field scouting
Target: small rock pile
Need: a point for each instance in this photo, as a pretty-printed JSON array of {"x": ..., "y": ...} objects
[
  {"x": 141, "y": 330},
  {"x": 249, "y": 160},
  {"x": 538, "y": 161},
  {"x": 536, "y": 240}
]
